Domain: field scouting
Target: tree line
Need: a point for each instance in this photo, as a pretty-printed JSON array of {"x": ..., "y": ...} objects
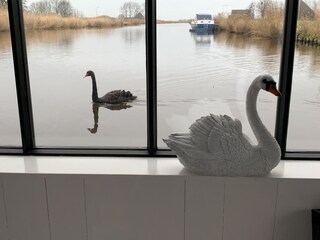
[
  {"x": 131, "y": 10},
  {"x": 64, "y": 8},
  {"x": 4, "y": 3}
]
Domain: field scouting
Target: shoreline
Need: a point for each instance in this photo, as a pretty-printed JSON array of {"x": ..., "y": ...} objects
[
  {"x": 270, "y": 28},
  {"x": 55, "y": 22}
]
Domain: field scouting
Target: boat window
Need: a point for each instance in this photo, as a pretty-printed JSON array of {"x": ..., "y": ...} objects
[{"x": 9, "y": 118}]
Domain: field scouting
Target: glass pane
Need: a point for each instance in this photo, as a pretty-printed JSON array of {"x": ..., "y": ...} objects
[
  {"x": 202, "y": 71},
  {"x": 303, "y": 132},
  {"x": 65, "y": 39},
  {"x": 9, "y": 117}
]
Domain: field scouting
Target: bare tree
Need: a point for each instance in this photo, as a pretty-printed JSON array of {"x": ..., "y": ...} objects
[
  {"x": 267, "y": 7},
  {"x": 3, "y": 3},
  {"x": 54, "y": 6},
  {"x": 24, "y": 4},
  {"x": 43, "y": 7},
  {"x": 64, "y": 8},
  {"x": 130, "y": 9},
  {"x": 59, "y": 7},
  {"x": 251, "y": 7}
]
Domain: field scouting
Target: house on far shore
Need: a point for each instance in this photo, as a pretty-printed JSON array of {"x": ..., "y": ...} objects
[
  {"x": 305, "y": 12},
  {"x": 139, "y": 16},
  {"x": 241, "y": 13}
]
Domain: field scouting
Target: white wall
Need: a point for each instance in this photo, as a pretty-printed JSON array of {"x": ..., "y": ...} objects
[{"x": 99, "y": 207}]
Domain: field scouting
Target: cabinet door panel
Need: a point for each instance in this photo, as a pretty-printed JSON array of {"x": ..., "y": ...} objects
[
  {"x": 26, "y": 207},
  {"x": 135, "y": 207},
  {"x": 296, "y": 198},
  {"x": 249, "y": 210},
  {"x": 66, "y": 207}
]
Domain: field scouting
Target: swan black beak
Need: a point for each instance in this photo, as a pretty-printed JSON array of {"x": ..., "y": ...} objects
[{"x": 274, "y": 91}]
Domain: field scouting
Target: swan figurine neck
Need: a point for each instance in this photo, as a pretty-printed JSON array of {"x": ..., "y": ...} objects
[
  {"x": 216, "y": 145},
  {"x": 266, "y": 142}
]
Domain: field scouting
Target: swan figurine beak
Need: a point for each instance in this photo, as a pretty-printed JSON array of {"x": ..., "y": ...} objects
[{"x": 274, "y": 90}]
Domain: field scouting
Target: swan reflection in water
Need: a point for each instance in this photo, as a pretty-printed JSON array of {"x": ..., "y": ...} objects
[{"x": 112, "y": 107}]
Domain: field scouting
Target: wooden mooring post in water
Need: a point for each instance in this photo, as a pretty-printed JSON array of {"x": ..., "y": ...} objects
[{"x": 309, "y": 41}]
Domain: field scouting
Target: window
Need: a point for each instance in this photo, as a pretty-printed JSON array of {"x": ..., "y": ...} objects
[
  {"x": 9, "y": 118},
  {"x": 303, "y": 133},
  {"x": 59, "y": 57},
  {"x": 177, "y": 74},
  {"x": 202, "y": 72}
]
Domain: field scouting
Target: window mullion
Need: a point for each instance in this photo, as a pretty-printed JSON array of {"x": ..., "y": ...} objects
[
  {"x": 151, "y": 70},
  {"x": 15, "y": 10},
  {"x": 286, "y": 70}
]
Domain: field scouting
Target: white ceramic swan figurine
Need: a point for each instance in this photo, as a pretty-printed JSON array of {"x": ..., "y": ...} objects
[{"x": 216, "y": 145}]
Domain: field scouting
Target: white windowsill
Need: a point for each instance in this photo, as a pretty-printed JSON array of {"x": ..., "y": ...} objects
[{"x": 134, "y": 166}]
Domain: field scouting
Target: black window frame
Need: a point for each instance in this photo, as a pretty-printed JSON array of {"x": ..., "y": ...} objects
[{"x": 15, "y": 11}]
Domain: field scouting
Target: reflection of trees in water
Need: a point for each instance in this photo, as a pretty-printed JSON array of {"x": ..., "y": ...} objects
[
  {"x": 133, "y": 34},
  {"x": 5, "y": 40},
  {"x": 202, "y": 38},
  {"x": 95, "y": 110},
  {"x": 62, "y": 38},
  {"x": 269, "y": 47},
  {"x": 312, "y": 52}
]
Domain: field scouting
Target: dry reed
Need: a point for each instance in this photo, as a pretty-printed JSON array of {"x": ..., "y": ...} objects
[
  {"x": 53, "y": 22},
  {"x": 269, "y": 27},
  {"x": 309, "y": 29}
]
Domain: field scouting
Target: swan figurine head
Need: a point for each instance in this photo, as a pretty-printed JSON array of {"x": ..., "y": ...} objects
[
  {"x": 268, "y": 84},
  {"x": 216, "y": 145}
]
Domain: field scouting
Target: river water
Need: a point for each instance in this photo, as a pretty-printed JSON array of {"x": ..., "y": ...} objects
[{"x": 197, "y": 75}]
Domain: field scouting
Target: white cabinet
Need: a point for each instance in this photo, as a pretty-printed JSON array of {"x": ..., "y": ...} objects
[{"x": 138, "y": 207}]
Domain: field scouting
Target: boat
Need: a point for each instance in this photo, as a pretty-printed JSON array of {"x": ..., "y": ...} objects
[{"x": 202, "y": 23}]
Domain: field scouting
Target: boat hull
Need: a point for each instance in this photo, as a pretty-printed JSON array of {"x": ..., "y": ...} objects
[{"x": 202, "y": 27}]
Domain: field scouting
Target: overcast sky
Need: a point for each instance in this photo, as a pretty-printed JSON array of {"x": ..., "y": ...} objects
[{"x": 166, "y": 9}]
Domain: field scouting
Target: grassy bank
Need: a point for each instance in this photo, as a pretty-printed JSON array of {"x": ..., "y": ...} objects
[
  {"x": 53, "y": 22},
  {"x": 309, "y": 29},
  {"x": 270, "y": 27}
]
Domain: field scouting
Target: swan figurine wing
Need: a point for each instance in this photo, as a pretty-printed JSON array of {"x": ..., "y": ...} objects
[{"x": 221, "y": 137}]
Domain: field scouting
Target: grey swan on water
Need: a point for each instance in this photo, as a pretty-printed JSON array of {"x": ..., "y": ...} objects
[{"x": 113, "y": 97}]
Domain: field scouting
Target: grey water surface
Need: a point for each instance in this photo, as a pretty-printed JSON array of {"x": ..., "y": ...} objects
[{"x": 197, "y": 74}]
